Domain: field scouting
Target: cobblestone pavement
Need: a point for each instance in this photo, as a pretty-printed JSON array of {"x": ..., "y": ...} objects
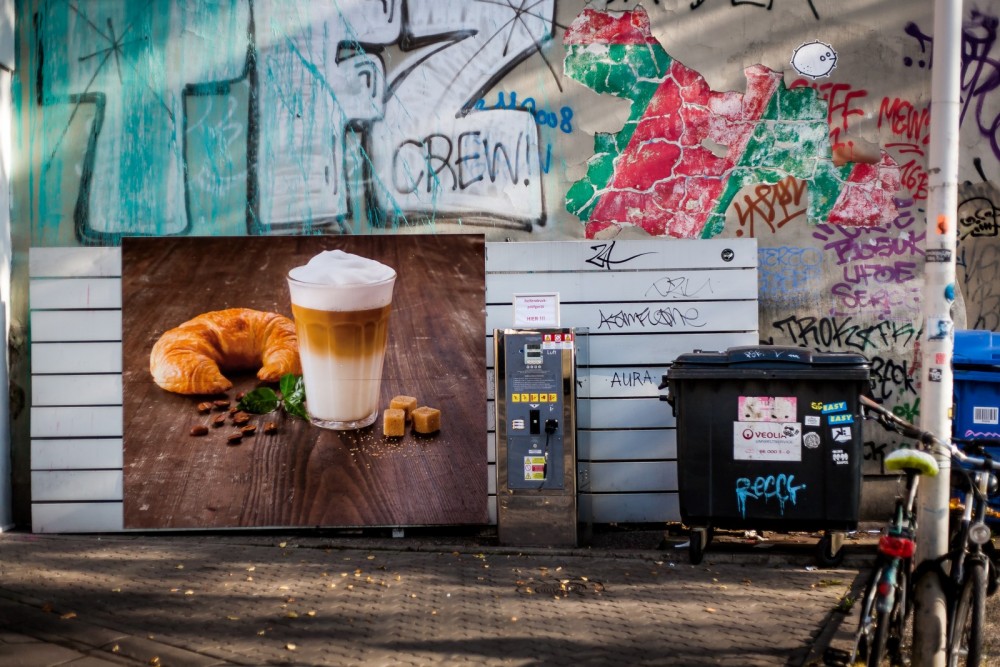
[{"x": 254, "y": 600}]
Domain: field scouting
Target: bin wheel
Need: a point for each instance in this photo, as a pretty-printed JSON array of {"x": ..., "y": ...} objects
[
  {"x": 830, "y": 550},
  {"x": 699, "y": 539}
]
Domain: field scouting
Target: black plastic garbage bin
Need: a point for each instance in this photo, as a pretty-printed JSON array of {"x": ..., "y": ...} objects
[{"x": 769, "y": 438}]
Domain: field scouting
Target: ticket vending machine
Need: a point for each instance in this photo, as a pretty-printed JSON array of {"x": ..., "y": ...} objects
[{"x": 536, "y": 436}]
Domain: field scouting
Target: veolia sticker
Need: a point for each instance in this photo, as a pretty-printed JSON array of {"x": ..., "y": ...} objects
[{"x": 767, "y": 441}]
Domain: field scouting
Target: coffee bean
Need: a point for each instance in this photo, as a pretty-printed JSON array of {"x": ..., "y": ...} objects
[
  {"x": 235, "y": 438},
  {"x": 204, "y": 407},
  {"x": 199, "y": 430}
]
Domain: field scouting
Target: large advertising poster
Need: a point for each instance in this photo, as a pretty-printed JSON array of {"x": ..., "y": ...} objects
[{"x": 352, "y": 395}]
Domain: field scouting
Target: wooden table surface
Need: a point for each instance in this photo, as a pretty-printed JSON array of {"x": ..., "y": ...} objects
[{"x": 306, "y": 476}]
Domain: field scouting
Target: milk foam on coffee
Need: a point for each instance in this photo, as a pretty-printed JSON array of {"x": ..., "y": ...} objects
[
  {"x": 341, "y": 303},
  {"x": 336, "y": 267}
]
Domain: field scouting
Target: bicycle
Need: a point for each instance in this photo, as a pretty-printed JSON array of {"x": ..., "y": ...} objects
[
  {"x": 972, "y": 574},
  {"x": 967, "y": 571},
  {"x": 888, "y": 599}
]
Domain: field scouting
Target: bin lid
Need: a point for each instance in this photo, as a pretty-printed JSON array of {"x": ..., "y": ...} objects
[
  {"x": 976, "y": 348},
  {"x": 768, "y": 361},
  {"x": 771, "y": 356}
]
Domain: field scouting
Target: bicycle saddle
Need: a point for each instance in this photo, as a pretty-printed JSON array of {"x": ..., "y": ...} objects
[{"x": 912, "y": 459}]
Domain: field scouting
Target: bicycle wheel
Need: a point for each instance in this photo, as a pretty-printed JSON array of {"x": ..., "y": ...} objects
[
  {"x": 899, "y": 614},
  {"x": 867, "y": 619},
  {"x": 887, "y": 635},
  {"x": 965, "y": 648},
  {"x": 880, "y": 639}
]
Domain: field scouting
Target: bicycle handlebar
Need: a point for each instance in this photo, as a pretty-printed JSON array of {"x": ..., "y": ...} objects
[{"x": 891, "y": 422}]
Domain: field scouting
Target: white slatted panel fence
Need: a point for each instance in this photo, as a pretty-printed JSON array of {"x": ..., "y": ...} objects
[
  {"x": 76, "y": 389},
  {"x": 642, "y": 303}
]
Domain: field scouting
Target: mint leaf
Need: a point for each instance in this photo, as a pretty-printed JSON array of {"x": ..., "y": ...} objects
[
  {"x": 296, "y": 409},
  {"x": 293, "y": 391},
  {"x": 260, "y": 401}
]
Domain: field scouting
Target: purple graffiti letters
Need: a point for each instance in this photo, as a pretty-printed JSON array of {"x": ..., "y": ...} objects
[
  {"x": 980, "y": 75},
  {"x": 863, "y": 243}
]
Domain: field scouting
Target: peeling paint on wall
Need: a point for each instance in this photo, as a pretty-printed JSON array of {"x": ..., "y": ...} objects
[{"x": 659, "y": 174}]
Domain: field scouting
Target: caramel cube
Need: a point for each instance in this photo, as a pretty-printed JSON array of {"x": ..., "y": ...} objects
[
  {"x": 426, "y": 420},
  {"x": 394, "y": 422},
  {"x": 407, "y": 403}
]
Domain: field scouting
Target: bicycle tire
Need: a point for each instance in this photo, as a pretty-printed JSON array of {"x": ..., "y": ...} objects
[
  {"x": 899, "y": 614},
  {"x": 965, "y": 648},
  {"x": 880, "y": 640},
  {"x": 866, "y": 618}
]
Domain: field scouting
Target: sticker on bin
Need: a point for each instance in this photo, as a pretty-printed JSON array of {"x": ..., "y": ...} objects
[
  {"x": 767, "y": 408},
  {"x": 842, "y": 434},
  {"x": 839, "y": 406},
  {"x": 985, "y": 415},
  {"x": 767, "y": 441}
]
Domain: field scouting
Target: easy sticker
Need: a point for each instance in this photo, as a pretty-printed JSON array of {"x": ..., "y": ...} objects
[
  {"x": 839, "y": 406},
  {"x": 845, "y": 418}
]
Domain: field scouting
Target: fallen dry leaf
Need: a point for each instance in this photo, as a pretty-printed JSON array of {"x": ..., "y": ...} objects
[
  {"x": 711, "y": 610},
  {"x": 233, "y": 618},
  {"x": 68, "y": 615},
  {"x": 282, "y": 545},
  {"x": 291, "y": 647},
  {"x": 155, "y": 660},
  {"x": 291, "y": 614}
]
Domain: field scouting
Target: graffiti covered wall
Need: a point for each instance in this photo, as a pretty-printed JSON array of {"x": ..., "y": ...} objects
[{"x": 802, "y": 123}]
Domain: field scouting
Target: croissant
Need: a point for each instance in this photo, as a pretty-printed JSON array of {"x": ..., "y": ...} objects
[{"x": 189, "y": 359}]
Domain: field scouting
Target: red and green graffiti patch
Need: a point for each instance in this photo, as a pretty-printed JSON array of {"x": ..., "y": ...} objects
[{"x": 685, "y": 150}]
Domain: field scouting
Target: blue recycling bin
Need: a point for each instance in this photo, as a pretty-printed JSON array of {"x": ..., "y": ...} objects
[{"x": 976, "y": 368}]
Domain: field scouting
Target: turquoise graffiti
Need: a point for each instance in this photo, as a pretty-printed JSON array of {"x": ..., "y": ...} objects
[
  {"x": 781, "y": 488},
  {"x": 225, "y": 117},
  {"x": 660, "y": 171}
]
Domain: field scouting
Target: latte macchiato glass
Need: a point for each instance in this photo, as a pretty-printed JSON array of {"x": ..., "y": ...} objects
[{"x": 341, "y": 305}]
